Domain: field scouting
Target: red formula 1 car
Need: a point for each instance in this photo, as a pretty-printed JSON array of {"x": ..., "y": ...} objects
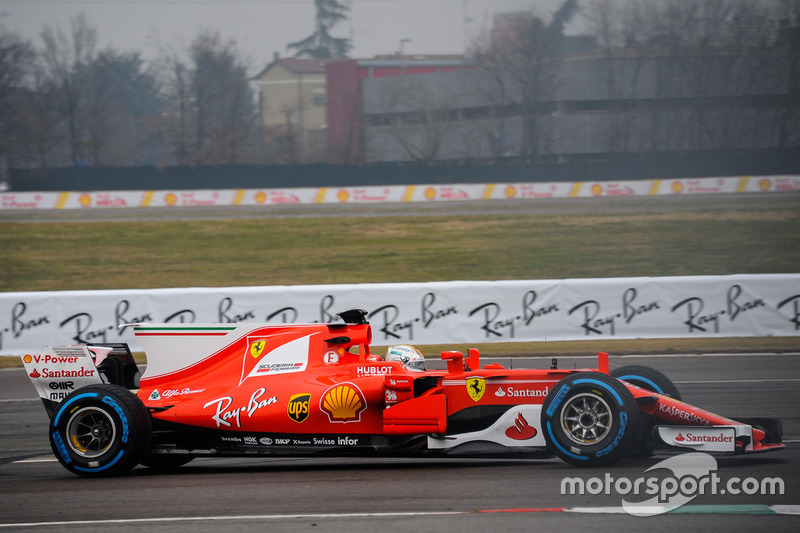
[{"x": 315, "y": 389}]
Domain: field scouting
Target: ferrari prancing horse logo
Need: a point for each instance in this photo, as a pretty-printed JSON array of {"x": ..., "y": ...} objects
[
  {"x": 257, "y": 347},
  {"x": 475, "y": 388}
]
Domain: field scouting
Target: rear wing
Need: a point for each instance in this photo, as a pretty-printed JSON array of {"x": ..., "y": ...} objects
[{"x": 60, "y": 370}]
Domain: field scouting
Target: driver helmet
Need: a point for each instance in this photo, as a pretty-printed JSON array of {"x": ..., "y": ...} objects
[{"x": 411, "y": 358}]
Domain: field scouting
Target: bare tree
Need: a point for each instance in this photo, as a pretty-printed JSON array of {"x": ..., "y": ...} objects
[
  {"x": 494, "y": 124},
  {"x": 617, "y": 28},
  {"x": 223, "y": 101},
  {"x": 419, "y": 119},
  {"x": 122, "y": 99},
  {"x": 525, "y": 62},
  {"x": 66, "y": 58},
  {"x": 689, "y": 74},
  {"x": 210, "y": 116},
  {"x": 173, "y": 126},
  {"x": 16, "y": 67},
  {"x": 788, "y": 48}
]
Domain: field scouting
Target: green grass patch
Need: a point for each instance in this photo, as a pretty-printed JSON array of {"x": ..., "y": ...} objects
[
  {"x": 298, "y": 251},
  {"x": 756, "y": 238}
]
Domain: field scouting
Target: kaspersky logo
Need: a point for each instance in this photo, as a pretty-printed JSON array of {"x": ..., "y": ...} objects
[{"x": 297, "y": 409}]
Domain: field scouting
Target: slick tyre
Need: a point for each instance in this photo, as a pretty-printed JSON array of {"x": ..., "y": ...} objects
[
  {"x": 647, "y": 378},
  {"x": 100, "y": 430},
  {"x": 652, "y": 380},
  {"x": 590, "y": 419}
]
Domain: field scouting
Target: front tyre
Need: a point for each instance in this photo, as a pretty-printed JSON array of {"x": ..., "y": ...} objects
[
  {"x": 647, "y": 378},
  {"x": 652, "y": 380},
  {"x": 590, "y": 419},
  {"x": 100, "y": 430}
]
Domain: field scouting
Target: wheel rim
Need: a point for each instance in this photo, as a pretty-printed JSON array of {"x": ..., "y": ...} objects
[
  {"x": 586, "y": 419},
  {"x": 90, "y": 432}
]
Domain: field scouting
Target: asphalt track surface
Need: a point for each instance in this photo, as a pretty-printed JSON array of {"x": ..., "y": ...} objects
[{"x": 302, "y": 494}]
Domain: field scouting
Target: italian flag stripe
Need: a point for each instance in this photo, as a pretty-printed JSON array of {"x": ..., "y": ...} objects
[{"x": 187, "y": 330}]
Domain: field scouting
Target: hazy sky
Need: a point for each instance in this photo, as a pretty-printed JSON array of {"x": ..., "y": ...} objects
[{"x": 261, "y": 27}]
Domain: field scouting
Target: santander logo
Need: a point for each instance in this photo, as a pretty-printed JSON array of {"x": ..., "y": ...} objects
[
  {"x": 521, "y": 393},
  {"x": 692, "y": 438},
  {"x": 521, "y": 430}
]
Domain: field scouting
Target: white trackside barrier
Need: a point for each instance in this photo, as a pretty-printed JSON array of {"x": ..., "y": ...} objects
[
  {"x": 457, "y": 312},
  {"x": 395, "y": 193}
]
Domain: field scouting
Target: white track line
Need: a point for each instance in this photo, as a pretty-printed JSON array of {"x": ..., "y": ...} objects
[
  {"x": 718, "y": 509},
  {"x": 229, "y": 518}
]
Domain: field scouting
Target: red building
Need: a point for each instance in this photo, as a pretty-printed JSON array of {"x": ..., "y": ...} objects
[{"x": 343, "y": 81}]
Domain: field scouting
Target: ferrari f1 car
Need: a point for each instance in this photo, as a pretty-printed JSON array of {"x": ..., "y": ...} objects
[{"x": 316, "y": 389}]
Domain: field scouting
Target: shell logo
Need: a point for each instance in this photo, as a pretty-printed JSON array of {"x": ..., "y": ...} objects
[
  {"x": 597, "y": 189},
  {"x": 430, "y": 193},
  {"x": 171, "y": 199},
  {"x": 343, "y": 403},
  {"x": 343, "y": 195},
  {"x": 764, "y": 184},
  {"x": 85, "y": 200},
  {"x": 27, "y": 359},
  {"x": 261, "y": 197},
  {"x": 677, "y": 187},
  {"x": 511, "y": 191}
]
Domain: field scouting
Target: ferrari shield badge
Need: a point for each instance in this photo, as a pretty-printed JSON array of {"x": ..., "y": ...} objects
[
  {"x": 476, "y": 387},
  {"x": 257, "y": 347}
]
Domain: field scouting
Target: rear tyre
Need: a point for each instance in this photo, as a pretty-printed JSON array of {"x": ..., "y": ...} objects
[
  {"x": 652, "y": 380},
  {"x": 100, "y": 430},
  {"x": 590, "y": 419}
]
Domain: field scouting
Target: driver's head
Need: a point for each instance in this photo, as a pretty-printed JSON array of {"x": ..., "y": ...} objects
[{"x": 411, "y": 358}]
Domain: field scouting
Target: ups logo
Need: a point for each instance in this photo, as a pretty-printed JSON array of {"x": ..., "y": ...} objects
[{"x": 298, "y": 407}]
